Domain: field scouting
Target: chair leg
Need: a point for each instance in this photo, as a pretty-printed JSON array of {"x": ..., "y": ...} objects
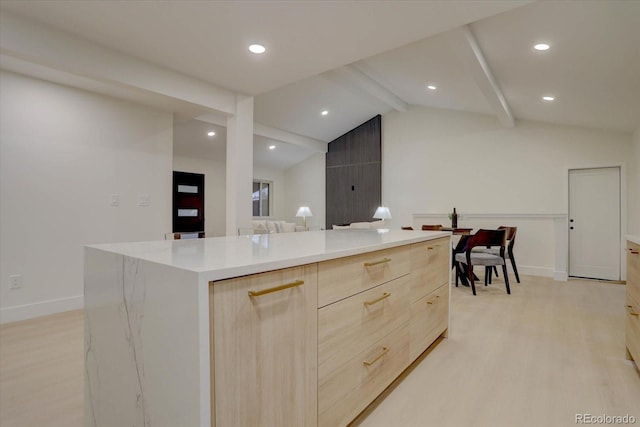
[
  {"x": 457, "y": 272},
  {"x": 462, "y": 273},
  {"x": 487, "y": 275},
  {"x": 513, "y": 264},
  {"x": 495, "y": 270},
  {"x": 471, "y": 276},
  {"x": 506, "y": 278}
]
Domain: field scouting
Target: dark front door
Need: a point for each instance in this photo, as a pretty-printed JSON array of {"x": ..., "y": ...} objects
[{"x": 188, "y": 202}]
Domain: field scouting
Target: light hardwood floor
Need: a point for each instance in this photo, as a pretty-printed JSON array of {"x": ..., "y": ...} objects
[{"x": 537, "y": 357}]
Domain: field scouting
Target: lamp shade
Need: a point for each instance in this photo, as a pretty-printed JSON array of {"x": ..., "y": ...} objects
[
  {"x": 304, "y": 211},
  {"x": 382, "y": 212}
]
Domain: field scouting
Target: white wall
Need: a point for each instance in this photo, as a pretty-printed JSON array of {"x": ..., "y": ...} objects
[
  {"x": 434, "y": 160},
  {"x": 305, "y": 184},
  {"x": 63, "y": 152},
  {"x": 214, "y": 187}
]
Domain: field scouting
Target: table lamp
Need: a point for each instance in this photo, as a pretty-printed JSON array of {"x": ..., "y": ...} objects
[
  {"x": 382, "y": 213},
  {"x": 304, "y": 212}
]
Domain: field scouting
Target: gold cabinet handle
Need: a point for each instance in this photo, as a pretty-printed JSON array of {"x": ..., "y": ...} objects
[
  {"x": 382, "y": 261},
  {"x": 433, "y": 300},
  {"x": 276, "y": 289},
  {"x": 384, "y": 295},
  {"x": 631, "y": 312},
  {"x": 429, "y": 248},
  {"x": 375, "y": 359},
  {"x": 634, "y": 252}
]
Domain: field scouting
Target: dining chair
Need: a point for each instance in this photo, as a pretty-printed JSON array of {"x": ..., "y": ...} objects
[
  {"x": 511, "y": 239},
  {"x": 494, "y": 239},
  {"x": 432, "y": 227}
]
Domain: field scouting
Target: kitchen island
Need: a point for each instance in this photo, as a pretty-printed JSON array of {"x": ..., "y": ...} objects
[{"x": 295, "y": 329}]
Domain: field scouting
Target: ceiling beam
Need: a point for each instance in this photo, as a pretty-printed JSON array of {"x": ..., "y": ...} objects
[
  {"x": 356, "y": 74},
  {"x": 271, "y": 133},
  {"x": 289, "y": 137},
  {"x": 475, "y": 60}
]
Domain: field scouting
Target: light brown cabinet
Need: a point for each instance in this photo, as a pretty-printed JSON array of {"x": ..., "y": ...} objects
[
  {"x": 287, "y": 353},
  {"x": 265, "y": 349},
  {"x": 362, "y": 346},
  {"x": 633, "y": 301},
  {"x": 378, "y": 313}
]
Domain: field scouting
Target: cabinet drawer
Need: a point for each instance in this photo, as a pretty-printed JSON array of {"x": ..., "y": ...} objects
[
  {"x": 429, "y": 266},
  {"x": 349, "y": 326},
  {"x": 265, "y": 335},
  {"x": 341, "y": 278},
  {"x": 350, "y": 389},
  {"x": 633, "y": 270},
  {"x": 429, "y": 318},
  {"x": 633, "y": 329}
]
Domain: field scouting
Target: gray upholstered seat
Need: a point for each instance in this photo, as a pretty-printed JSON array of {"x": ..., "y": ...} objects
[{"x": 482, "y": 258}]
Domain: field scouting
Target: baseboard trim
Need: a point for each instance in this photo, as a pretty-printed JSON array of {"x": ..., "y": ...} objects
[
  {"x": 533, "y": 270},
  {"x": 43, "y": 308},
  {"x": 561, "y": 276}
]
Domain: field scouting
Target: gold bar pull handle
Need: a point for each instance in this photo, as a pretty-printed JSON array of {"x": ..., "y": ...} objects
[
  {"x": 631, "y": 311},
  {"x": 634, "y": 252},
  {"x": 384, "y": 295},
  {"x": 382, "y": 261},
  {"x": 276, "y": 288},
  {"x": 433, "y": 300},
  {"x": 375, "y": 359}
]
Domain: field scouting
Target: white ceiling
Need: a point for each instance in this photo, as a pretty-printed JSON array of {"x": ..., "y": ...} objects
[{"x": 340, "y": 56}]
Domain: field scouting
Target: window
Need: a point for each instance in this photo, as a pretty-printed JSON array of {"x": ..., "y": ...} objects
[{"x": 261, "y": 197}]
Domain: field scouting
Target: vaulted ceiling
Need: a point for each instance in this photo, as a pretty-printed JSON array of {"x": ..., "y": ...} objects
[{"x": 357, "y": 59}]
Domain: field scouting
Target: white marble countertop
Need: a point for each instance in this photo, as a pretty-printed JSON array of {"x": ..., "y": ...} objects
[
  {"x": 634, "y": 239},
  {"x": 225, "y": 257}
]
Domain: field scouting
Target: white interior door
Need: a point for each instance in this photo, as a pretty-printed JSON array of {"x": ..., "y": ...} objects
[{"x": 594, "y": 223}]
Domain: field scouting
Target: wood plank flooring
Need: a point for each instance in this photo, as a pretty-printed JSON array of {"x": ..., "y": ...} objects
[
  {"x": 42, "y": 371},
  {"x": 537, "y": 357}
]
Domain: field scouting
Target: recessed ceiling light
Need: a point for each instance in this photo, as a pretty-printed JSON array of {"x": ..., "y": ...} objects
[
  {"x": 541, "y": 46},
  {"x": 431, "y": 87},
  {"x": 548, "y": 98},
  {"x": 211, "y": 133},
  {"x": 272, "y": 147},
  {"x": 257, "y": 48},
  {"x": 324, "y": 112}
]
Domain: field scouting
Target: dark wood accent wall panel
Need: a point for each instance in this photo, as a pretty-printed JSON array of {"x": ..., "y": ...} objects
[{"x": 353, "y": 175}]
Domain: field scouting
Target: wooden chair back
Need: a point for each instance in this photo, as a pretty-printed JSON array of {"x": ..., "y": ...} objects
[
  {"x": 511, "y": 234},
  {"x": 488, "y": 238}
]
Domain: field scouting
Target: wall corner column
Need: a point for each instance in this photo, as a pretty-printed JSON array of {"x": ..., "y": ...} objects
[{"x": 239, "y": 166}]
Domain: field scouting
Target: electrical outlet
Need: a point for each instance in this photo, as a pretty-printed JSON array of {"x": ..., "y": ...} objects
[
  {"x": 143, "y": 200},
  {"x": 15, "y": 281}
]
